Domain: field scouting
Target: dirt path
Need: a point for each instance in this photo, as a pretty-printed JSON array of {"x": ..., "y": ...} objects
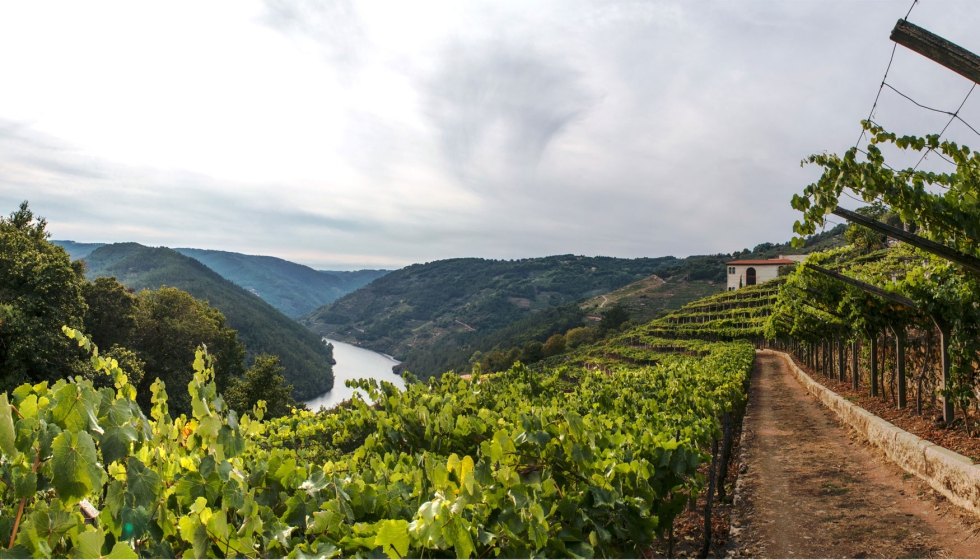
[{"x": 810, "y": 488}]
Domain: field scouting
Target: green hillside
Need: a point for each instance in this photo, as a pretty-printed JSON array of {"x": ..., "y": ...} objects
[
  {"x": 292, "y": 288},
  {"x": 434, "y": 316},
  {"x": 261, "y": 327},
  {"x": 411, "y": 311}
]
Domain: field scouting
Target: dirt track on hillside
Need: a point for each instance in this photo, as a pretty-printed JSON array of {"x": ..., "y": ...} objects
[{"x": 810, "y": 488}]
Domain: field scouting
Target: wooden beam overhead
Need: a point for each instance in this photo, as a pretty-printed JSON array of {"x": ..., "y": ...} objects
[
  {"x": 937, "y": 49},
  {"x": 959, "y": 257},
  {"x": 870, "y": 288}
]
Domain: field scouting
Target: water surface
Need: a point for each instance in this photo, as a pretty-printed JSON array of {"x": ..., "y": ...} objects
[{"x": 354, "y": 362}]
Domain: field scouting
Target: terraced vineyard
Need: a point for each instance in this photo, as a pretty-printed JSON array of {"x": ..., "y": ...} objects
[{"x": 740, "y": 314}]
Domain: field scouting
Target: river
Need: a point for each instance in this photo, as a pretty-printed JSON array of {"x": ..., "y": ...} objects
[{"x": 354, "y": 363}]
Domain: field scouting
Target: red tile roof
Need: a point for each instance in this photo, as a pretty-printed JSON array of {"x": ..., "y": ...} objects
[{"x": 763, "y": 261}]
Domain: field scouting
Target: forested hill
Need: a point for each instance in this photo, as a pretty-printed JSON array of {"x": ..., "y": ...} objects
[
  {"x": 292, "y": 288},
  {"x": 434, "y": 316},
  {"x": 411, "y": 309},
  {"x": 261, "y": 327}
]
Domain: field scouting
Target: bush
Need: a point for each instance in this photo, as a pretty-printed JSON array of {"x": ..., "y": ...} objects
[{"x": 553, "y": 346}]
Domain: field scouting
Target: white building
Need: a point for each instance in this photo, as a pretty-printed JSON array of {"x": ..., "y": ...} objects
[{"x": 756, "y": 271}]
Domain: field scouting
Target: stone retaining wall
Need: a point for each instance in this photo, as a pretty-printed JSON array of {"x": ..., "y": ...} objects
[{"x": 949, "y": 473}]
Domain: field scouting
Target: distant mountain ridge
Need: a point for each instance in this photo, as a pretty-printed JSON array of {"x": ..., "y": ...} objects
[
  {"x": 77, "y": 250},
  {"x": 290, "y": 287},
  {"x": 262, "y": 328}
]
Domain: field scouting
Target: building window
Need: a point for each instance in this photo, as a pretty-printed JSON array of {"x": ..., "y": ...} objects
[
  {"x": 750, "y": 276},
  {"x": 731, "y": 270}
]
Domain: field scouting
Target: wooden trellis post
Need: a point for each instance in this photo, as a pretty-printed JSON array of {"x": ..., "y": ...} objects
[
  {"x": 944, "y": 334},
  {"x": 854, "y": 364},
  {"x": 900, "y": 365},
  {"x": 873, "y": 347},
  {"x": 840, "y": 360}
]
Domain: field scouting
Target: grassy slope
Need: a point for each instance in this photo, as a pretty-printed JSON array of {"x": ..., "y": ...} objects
[
  {"x": 292, "y": 288},
  {"x": 650, "y": 297},
  {"x": 260, "y": 326}
]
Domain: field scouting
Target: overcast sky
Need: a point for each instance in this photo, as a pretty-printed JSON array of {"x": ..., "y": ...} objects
[{"x": 378, "y": 134}]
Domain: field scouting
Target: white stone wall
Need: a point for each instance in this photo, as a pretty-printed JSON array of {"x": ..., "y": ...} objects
[{"x": 763, "y": 273}]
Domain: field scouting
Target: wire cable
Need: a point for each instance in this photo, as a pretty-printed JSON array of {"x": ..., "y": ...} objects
[
  {"x": 914, "y": 2},
  {"x": 943, "y": 131},
  {"x": 954, "y": 115},
  {"x": 885, "y": 77},
  {"x": 881, "y": 87}
]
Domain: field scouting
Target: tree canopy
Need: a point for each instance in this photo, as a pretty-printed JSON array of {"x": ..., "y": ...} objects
[{"x": 40, "y": 291}]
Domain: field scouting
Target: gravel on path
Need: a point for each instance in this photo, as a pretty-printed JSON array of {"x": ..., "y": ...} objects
[{"x": 812, "y": 488}]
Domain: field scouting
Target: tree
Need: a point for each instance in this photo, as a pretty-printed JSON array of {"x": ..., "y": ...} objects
[
  {"x": 532, "y": 352},
  {"x": 40, "y": 291},
  {"x": 263, "y": 381},
  {"x": 170, "y": 325},
  {"x": 111, "y": 316},
  {"x": 554, "y": 345},
  {"x": 578, "y": 336},
  {"x": 614, "y": 318}
]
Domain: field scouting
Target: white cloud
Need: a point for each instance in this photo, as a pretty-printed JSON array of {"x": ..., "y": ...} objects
[{"x": 379, "y": 133}]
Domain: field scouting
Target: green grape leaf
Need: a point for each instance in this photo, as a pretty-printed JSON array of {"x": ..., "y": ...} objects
[
  {"x": 52, "y": 523},
  {"x": 232, "y": 496},
  {"x": 134, "y": 522},
  {"x": 393, "y": 538},
  {"x": 25, "y": 483},
  {"x": 88, "y": 544},
  {"x": 7, "y": 438},
  {"x": 231, "y": 441},
  {"x": 28, "y": 406},
  {"x": 46, "y": 438},
  {"x": 189, "y": 488},
  {"x": 142, "y": 482},
  {"x": 75, "y": 408},
  {"x": 218, "y": 525},
  {"x": 115, "y": 497},
  {"x": 138, "y": 413},
  {"x": 207, "y": 466},
  {"x": 117, "y": 413},
  {"x": 75, "y": 467},
  {"x": 18, "y": 551},
  {"x": 208, "y": 427},
  {"x": 460, "y": 537},
  {"x": 122, "y": 550},
  {"x": 201, "y": 542},
  {"x": 114, "y": 443}
]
